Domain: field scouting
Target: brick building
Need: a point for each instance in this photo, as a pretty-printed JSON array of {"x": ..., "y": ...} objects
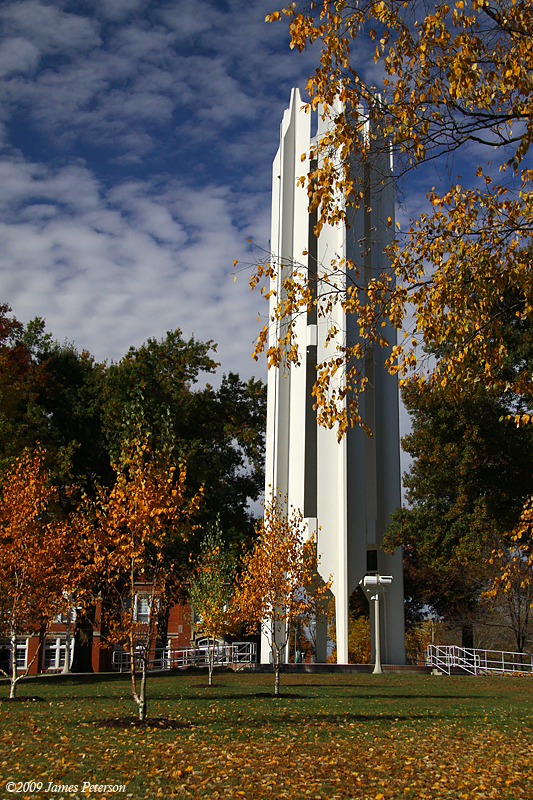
[{"x": 100, "y": 656}]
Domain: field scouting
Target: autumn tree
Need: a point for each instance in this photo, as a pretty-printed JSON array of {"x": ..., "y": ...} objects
[
  {"x": 279, "y": 587},
  {"x": 464, "y": 489},
  {"x": 38, "y": 555},
  {"x": 450, "y": 83},
  {"x": 211, "y": 591},
  {"x": 513, "y": 581},
  {"x": 139, "y": 527}
]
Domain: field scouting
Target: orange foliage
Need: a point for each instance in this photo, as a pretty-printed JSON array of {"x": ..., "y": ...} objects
[
  {"x": 38, "y": 550},
  {"x": 279, "y": 586},
  {"x": 448, "y": 77},
  {"x": 136, "y": 525}
]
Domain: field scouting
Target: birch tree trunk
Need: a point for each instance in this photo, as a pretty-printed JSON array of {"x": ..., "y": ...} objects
[
  {"x": 210, "y": 658},
  {"x": 13, "y": 677},
  {"x": 276, "y": 665}
]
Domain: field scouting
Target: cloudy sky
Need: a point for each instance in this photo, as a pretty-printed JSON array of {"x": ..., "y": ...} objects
[{"x": 137, "y": 139}]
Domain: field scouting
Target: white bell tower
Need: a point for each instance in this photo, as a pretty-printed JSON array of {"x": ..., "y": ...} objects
[{"x": 347, "y": 490}]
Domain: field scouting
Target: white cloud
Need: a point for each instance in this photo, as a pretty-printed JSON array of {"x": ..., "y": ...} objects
[
  {"x": 17, "y": 55},
  {"x": 193, "y": 87},
  {"x": 110, "y": 269},
  {"x": 48, "y": 28},
  {"x": 148, "y": 212},
  {"x": 189, "y": 18},
  {"x": 121, "y": 87}
]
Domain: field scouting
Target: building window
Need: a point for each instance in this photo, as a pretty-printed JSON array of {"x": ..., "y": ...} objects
[
  {"x": 142, "y": 609},
  {"x": 54, "y": 652},
  {"x": 21, "y": 653}
]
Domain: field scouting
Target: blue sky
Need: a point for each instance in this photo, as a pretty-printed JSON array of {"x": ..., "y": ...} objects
[{"x": 137, "y": 138}]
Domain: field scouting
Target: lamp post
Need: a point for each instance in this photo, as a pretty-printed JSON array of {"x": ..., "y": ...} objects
[{"x": 373, "y": 586}]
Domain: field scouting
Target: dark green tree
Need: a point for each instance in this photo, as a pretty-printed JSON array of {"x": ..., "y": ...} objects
[
  {"x": 151, "y": 392},
  {"x": 21, "y": 380},
  {"x": 465, "y": 490},
  {"x": 50, "y": 394},
  {"x": 71, "y": 400},
  {"x": 83, "y": 412}
]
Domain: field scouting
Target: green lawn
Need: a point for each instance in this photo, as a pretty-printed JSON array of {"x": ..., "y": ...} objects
[{"x": 338, "y": 736}]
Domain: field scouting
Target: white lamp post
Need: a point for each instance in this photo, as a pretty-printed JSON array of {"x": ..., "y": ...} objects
[{"x": 373, "y": 586}]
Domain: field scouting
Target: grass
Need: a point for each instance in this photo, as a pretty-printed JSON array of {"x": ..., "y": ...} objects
[{"x": 337, "y": 736}]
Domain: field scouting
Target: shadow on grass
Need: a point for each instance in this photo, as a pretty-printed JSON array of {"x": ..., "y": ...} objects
[
  {"x": 22, "y": 699},
  {"x": 134, "y": 722},
  {"x": 289, "y": 721},
  {"x": 366, "y": 691},
  {"x": 387, "y": 696},
  {"x": 249, "y": 696},
  {"x": 308, "y": 696}
]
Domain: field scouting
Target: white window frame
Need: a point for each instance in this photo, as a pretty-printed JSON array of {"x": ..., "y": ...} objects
[
  {"x": 142, "y": 609},
  {"x": 21, "y": 651},
  {"x": 56, "y": 645}
]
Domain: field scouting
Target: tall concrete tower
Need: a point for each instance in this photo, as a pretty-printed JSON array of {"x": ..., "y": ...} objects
[{"x": 347, "y": 490}]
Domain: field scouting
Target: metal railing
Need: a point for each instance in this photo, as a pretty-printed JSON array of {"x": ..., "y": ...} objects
[
  {"x": 236, "y": 655},
  {"x": 475, "y": 661}
]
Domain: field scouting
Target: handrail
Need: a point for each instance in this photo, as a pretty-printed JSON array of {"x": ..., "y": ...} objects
[
  {"x": 475, "y": 661},
  {"x": 238, "y": 654}
]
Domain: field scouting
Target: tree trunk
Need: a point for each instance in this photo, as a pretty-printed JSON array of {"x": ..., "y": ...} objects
[
  {"x": 13, "y": 676},
  {"x": 210, "y": 659},
  {"x": 142, "y": 704},
  {"x": 139, "y": 698},
  {"x": 467, "y": 635},
  {"x": 142, "y": 710},
  {"x": 276, "y": 665},
  {"x": 133, "y": 675},
  {"x": 83, "y": 642}
]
